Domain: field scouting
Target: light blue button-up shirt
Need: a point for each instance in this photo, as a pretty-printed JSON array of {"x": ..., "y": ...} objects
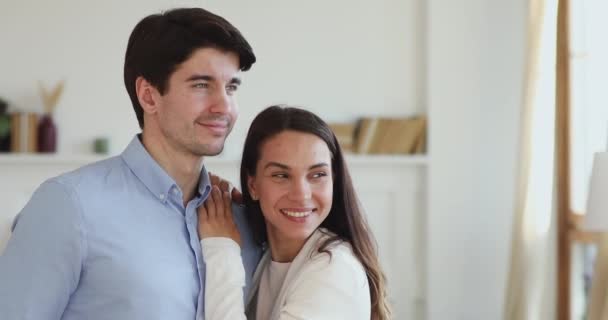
[{"x": 111, "y": 240}]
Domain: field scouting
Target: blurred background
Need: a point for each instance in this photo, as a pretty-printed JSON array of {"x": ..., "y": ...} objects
[{"x": 478, "y": 216}]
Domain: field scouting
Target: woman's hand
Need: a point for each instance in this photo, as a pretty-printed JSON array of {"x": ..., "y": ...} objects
[{"x": 215, "y": 217}]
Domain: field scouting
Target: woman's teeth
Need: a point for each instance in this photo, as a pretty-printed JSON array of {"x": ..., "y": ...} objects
[{"x": 296, "y": 214}]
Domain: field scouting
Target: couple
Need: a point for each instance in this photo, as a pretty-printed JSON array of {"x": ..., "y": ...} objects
[{"x": 149, "y": 235}]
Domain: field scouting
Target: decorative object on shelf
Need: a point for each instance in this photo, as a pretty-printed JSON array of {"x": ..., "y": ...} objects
[
  {"x": 5, "y": 127},
  {"x": 47, "y": 130},
  {"x": 101, "y": 145},
  {"x": 596, "y": 219}
]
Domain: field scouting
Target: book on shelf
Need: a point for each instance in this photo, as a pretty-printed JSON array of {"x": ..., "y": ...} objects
[
  {"x": 344, "y": 132},
  {"x": 420, "y": 146},
  {"x": 391, "y": 135},
  {"x": 410, "y": 136},
  {"x": 364, "y": 134},
  {"x": 24, "y": 132}
]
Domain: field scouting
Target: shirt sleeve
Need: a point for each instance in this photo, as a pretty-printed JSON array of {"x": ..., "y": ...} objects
[
  {"x": 40, "y": 267},
  {"x": 224, "y": 279},
  {"x": 335, "y": 288}
]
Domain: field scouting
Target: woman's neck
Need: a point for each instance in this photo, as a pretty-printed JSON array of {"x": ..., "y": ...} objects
[{"x": 282, "y": 248}]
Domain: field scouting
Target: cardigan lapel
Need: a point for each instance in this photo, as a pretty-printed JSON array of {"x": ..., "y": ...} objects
[
  {"x": 297, "y": 264},
  {"x": 294, "y": 270},
  {"x": 251, "y": 301}
]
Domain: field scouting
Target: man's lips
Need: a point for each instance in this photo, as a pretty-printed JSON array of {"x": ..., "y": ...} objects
[{"x": 215, "y": 126}]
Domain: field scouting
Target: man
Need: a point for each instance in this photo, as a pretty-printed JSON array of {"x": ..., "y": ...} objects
[{"x": 118, "y": 239}]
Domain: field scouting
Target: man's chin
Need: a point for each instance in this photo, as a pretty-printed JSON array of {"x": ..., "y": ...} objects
[{"x": 208, "y": 150}]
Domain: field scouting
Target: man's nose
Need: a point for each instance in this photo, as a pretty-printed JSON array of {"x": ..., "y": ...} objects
[{"x": 221, "y": 102}]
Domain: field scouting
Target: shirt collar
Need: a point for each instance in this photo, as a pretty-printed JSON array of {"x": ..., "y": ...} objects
[{"x": 153, "y": 176}]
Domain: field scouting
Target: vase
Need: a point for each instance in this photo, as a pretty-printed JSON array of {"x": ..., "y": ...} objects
[{"x": 47, "y": 134}]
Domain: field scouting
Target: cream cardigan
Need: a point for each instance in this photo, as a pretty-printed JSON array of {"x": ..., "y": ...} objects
[{"x": 316, "y": 286}]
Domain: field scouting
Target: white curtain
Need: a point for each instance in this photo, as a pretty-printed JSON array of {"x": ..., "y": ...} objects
[{"x": 531, "y": 286}]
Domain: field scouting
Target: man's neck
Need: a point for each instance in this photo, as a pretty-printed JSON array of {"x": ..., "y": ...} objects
[{"x": 184, "y": 168}]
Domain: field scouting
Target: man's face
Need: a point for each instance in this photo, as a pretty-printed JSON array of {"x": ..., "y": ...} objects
[{"x": 198, "y": 109}]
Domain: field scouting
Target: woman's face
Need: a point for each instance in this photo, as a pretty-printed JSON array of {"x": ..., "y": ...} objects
[{"x": 293, "y": 184}]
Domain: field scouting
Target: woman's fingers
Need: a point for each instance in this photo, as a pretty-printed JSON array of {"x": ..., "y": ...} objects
[
  {"x": 227, "y": 205},
  {"x": 219, "y": 204},
  {"x": 203, "y": 220},
  {"x": 214, "y": 179},
  {"x": 202, "y": 214},
  {"x": 210, "y": 206}
]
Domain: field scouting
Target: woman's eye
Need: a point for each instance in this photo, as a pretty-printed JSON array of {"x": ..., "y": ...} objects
[
  {"x": 319, "y": 175},
  {"x": 280, "y": 175}
]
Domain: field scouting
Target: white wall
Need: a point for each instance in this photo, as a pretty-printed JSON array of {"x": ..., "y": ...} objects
[
  {"x": 339, "y": 58},
  {"x": 475, "y": 82}
]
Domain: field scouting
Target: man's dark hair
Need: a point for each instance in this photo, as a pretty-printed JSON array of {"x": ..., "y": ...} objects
[{"x": 160, "y": 42}]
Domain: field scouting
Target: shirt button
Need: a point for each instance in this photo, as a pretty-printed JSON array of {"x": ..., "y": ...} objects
[{"x": 162, "y": 196}]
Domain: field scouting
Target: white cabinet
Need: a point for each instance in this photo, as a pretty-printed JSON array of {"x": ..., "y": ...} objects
[{"x": 393, "y": 194}]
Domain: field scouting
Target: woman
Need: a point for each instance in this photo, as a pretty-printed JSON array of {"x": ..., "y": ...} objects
[{"x": 321, "y": 262}]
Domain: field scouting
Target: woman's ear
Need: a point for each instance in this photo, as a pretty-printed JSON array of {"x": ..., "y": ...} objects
[
  {"x": 251, "y": 187},
  {"x": 146, "y": 94}
]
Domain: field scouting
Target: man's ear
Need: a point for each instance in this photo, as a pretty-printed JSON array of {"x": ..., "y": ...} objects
[
  {"x": 147, "y": 95},
  {"x": 251, "y": 187}
]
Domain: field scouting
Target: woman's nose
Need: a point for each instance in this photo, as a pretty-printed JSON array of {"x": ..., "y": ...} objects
[{"x": 300, "y": 190}]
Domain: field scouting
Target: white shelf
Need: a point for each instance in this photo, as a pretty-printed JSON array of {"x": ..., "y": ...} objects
[
  {"x": 82, "y": 159},
  {"x": 387, "y": 159},
  {"x": 46, "y": 159}
]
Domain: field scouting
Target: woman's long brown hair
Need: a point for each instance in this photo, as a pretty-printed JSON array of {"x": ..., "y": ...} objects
[{"x": 346, "y": 217}]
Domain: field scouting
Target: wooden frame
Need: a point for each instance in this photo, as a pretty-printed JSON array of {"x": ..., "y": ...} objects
[
  {"x": 562, "y": 136},
  {"x": 577, "y": 234},
  {"x": 569, "y": 223}
]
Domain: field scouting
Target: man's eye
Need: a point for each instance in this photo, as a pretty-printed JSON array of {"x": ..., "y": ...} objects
[
  {"x": 280, "y": 175},
  {"x": 232, "y": 87},
  {"x": 201, "y": 85}
]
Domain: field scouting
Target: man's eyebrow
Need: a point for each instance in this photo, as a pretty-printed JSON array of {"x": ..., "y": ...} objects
[
  {"x": 198, "y": 77},
  {"x": 201, "y": 77}
]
